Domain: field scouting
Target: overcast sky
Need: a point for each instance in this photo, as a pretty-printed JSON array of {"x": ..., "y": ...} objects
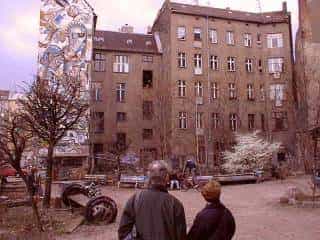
[{"x": 19, "y": 20}]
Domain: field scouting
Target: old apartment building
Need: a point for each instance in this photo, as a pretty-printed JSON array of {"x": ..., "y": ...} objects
[
  {"x": 307, "y": 75},
  {"x": 199, "y": 76}
]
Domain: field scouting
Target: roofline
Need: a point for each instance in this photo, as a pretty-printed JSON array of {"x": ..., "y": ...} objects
[
  {"x": 165, "y": 4},
  {"x": 231, "y": 19},
  {"x": 134, "y": 33},
  {"x": 125, "y": 51}
]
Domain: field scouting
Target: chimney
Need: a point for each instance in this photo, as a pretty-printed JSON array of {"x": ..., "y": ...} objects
[
  {"x": 196, "y": 2},
  {"x": 126, "y": 29},
  {"x": 149, "y": 30},
  {"x": 284, "y": 7},
  {"x": 228, "y": 8}
]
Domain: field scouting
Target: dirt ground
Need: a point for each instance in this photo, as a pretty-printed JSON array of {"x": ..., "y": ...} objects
[{"x": 256, "y": 207}]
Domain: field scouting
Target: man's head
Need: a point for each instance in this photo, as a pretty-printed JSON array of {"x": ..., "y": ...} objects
[
  {"x": 158, "y": 173},
  {"x": 211, "y": 191}
]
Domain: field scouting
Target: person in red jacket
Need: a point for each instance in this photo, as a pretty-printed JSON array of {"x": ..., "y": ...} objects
[{"x": 215, "y": 221}]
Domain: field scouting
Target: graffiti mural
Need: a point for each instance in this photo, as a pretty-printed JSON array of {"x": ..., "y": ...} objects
[{"x": 65, "y": 51}]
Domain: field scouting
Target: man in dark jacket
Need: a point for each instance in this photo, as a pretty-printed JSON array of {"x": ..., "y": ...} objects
[
  {"x": 154, "y": 213},
  {"x": 215, "y": 221}
]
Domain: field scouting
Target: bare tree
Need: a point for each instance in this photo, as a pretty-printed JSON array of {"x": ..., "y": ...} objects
[
  {"x": 51, "y": 109},
  {"x": 14, "y": 139}
]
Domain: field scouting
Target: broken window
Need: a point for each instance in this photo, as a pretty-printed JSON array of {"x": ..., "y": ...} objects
[
  {"x": 121, "y": 138},
  {"x": 147, "y": 109},
  {"x": 99, "y": 122},
  {"x": 280, "y": 121},
  {"x": 147, "y": 79},
  {"x": 251, "y": 121},
  {"x": 121, "y": 116},
  {"x": 147, "y": 134}
]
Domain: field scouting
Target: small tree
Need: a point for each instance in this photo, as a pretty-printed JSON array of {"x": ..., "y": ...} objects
[
  {"x": 250, "y": 152},
  {"x": 51, "y": 109},
  {"x": 14, "y": 139}
]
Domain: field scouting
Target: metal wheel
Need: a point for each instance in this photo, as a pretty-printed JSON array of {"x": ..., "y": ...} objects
[
  {"x": 70, "y": 190},
  {"x": 102, "y": 209}
]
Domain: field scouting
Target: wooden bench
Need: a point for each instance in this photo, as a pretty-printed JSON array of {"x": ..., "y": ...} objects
[
  {"x": 132, "y": 181},
  {"x": 101, "y": 179}
]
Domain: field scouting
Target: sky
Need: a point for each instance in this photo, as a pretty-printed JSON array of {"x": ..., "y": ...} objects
[{"x": 19, "y": 21}]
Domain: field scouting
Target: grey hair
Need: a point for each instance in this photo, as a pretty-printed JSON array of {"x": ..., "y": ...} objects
[{"x": 158, "y": 172}]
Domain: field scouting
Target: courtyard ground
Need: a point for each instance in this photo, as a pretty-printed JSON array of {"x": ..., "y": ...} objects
[{"x": 256, "y": 208}]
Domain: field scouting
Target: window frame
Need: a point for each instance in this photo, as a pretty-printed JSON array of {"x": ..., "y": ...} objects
[
  {"x": 99, "y": 63},
  {"x": 184, "y": 38},
  {"x": 121, "y": 92}
]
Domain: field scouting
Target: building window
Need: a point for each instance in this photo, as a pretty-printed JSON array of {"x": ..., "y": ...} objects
[
  {"x": 233, "y": 122},
  {"x": 197, "y": 34},
  {"x": 251, "y": 121},
  {"x": 198, "y": 87},
  {"x": 182, "y": 88},
  {"x": 275, "y": 40},
  {"x": 280, "y": 121},
  {"x": 250, "y": 92},
  {"x": 275, "y": 65},
  {"x": 122, "y": 139},
  {"x": 181, "y": 33},
  {"x": 232, "y": 91},
  {"x": 214, "y": 62},
  {"x": 182, "y": 60},
  {"x": 260, "y": 68},
  {"x": 249, "y": 65},
  {"x": 277, "y": 94},
  {"x": 247, "y": 40},
  {"x": 230, "y": 38},
  {"x": 182, "y": 120},
  {"x": 147, "y": 79},
  {"x": 98, "y": 122},
  {"x": 147, "y": 58},
  {"x": 121, "y": 65},
  {"x": 259, "y": 39},
  {"x": 147, "y": 134},
  {"x": 213, "y": 36},
  {"x": 262, "y": 93},
  {"x": 214, "y": 90},
  {"x": 121, "y": 116},
  {"x": 147, "y": 110},
  {"x": 199, "y": 120},
  {"x": 99, "y": 62},
  {"x": 97, "y": 92},
  {"x": 121, "y": 92},
  {"x": 198, "y": 64},
  {"x": 201, "y": 154},
  {"x": 215, "y": 120},
  {"x": 231, "y": 64},
  {"x": 262, "y": 122}
]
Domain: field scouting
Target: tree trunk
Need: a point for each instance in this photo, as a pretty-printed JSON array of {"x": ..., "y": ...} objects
[
  {"x": 48, "y": 182},
  {"x": 33, "y": 202}
]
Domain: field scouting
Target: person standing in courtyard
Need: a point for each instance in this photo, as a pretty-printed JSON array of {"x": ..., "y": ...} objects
[
  {"x": 215, "y": 221},
  {"x": 154, "y": 214}
]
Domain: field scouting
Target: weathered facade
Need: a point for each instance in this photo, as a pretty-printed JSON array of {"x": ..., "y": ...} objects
[
  {"x": 65, "y": 51},
  {"x": 307, "y": 75},
  {"x": 216, "y": 71}
]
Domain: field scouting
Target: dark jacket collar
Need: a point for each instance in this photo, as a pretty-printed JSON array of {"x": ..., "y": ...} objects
[
  {"x": 215, "y": 204},
  {"x": 158, "y": 187}
]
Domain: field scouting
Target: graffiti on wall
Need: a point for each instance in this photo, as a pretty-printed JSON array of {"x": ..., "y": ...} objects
[{"x": 65, "y": 51}]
